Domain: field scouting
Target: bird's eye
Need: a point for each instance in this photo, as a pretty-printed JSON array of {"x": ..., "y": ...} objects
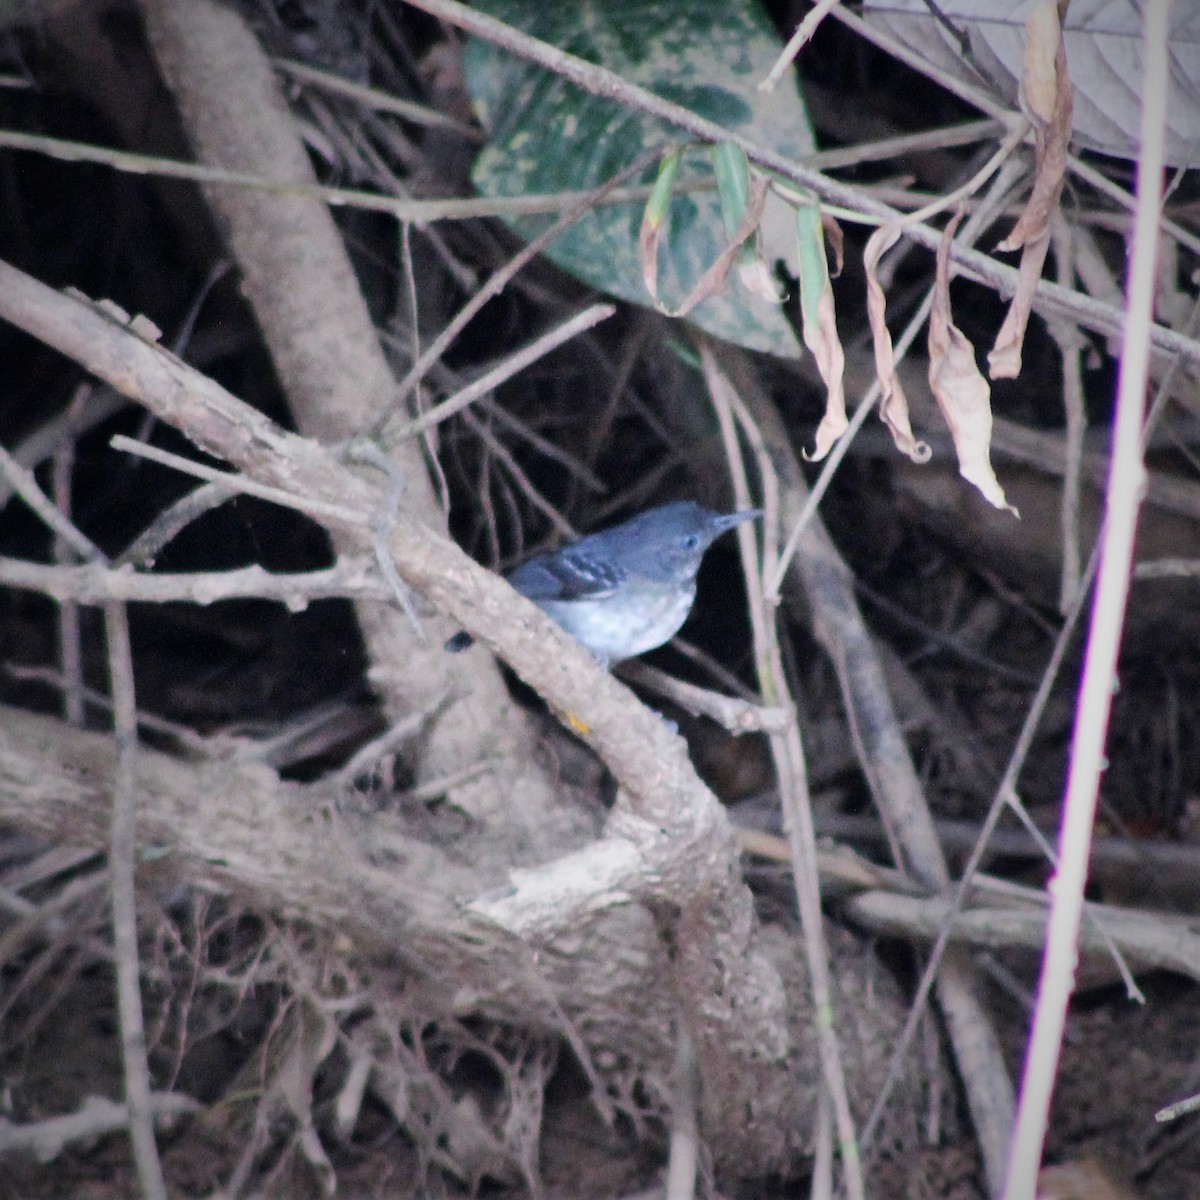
[{"x": 691, "y": 541}]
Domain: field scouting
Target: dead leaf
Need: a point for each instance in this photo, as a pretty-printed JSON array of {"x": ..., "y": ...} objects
[
  {"x": 1048, "y": 98},
  {"x": 893, "y": 404},
  {"x": 1039, "y": 78},
  {"x": 961, "y": 391},
  {"x": 833, "y": 232},
  {"x": 819, "y": 323},
  {"x": 655, "y": 219}
]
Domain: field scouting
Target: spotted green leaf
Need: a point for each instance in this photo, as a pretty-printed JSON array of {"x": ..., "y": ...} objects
[{"x": 547, "y": 135}]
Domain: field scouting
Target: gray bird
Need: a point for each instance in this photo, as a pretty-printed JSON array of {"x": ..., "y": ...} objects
[{"x": 627, "y": 589}]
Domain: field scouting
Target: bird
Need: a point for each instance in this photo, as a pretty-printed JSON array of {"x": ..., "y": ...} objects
[{"x": 627, "y": 589}]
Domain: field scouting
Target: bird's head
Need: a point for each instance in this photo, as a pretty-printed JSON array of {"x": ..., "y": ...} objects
[{"x": 671, "y": 540}]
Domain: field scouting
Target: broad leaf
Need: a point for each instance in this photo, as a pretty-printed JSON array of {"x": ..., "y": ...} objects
[{"x": 549, "y": 136}]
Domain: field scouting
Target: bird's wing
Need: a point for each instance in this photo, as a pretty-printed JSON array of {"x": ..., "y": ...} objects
[{"x": 566, "y": 575}]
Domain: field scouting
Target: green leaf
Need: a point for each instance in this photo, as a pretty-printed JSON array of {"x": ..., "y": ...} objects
[{"x": 549, "y": 136}]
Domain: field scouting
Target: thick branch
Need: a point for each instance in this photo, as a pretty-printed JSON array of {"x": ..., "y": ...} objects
[
  {"x": 728, "y": 989},
  {"x": 299, "y": 279}
]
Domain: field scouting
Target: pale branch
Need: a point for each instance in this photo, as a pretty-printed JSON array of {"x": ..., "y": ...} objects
[
  {"x": 730, "y": 992},
  {"x": 94, "y": 583},
  {"x": 96, "y": 1118}
]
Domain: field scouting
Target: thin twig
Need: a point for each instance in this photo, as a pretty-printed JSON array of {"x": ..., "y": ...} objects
[
  {"x": 122, "y": 856},
  {"x": 26, "y": 486},
  {"x": 796, "y": 43},
  {"x": 512, "y": 364},
  {"x": 96, "y": 1117},
  {"x": 95, "y": 583},
  {"x": 418, "y": 114},
  {"x": 787, "y": 750},
  {"x": 497, "y": 282},
  {"x": 242, "y": 483},
  {"x": 1126, "y": 484},
  {"x": 419, "y": 212},
  {"x": 684, "y": 1154},
  {"x": 730, "y": 712},
  {"x": 70, "y": 648},
  {"x": 1070, "y": 349}
]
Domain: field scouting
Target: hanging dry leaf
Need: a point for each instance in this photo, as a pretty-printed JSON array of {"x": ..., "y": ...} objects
[
  {"x": 655, "y": 219},
  {"x": 837, "y": 240},
  {"x": 961, "y": 391},
  {"x": 820, "y": 326},
  {"x": 1047, "y": 97},
  {"x": 1039, "y": 77},
  {"x": 893, "y": 404}
]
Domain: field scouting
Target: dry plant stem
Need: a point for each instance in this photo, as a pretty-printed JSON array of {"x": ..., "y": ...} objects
[
  {"x": 70, "y": 649},
  {"x": 787, "y": 752},
  {"x": 416, "y": 212},
  {"x": 39, "y": 445},
  {"x": 822, "y": 1178},
  {"x": 1051, "y": 299},
  {"x": 512, "y": 364},
  {"x": 1126, "y": 484},
  {"x": 370, "y": 97},
  {"x": 121, "y": 859},
  {"x": 426, "y": 212},
  {"x": 316, "y": 324},
  {"x": 1116, "y": 193},
  {"x": 497, "y": 282},
  {"x": 730, "y": 712},
  {"x": 684, "y": 1154},
  {"x": 796, "y": 43},
  {"x": 171, "y": 522},
  {"x": 97, "y": 1117},
  {"x": 1070, "y": 348},
  {"x": 890, "y": 773},
  {"x": 907, "y": 144},
  {"x": 1149, "y": 940},
  {"x": 23, "y": 483},
  {"x": 668, "y": 843}
]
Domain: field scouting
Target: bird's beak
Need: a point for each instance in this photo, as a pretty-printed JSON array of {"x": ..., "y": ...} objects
[{"x": 731, "y": 519}]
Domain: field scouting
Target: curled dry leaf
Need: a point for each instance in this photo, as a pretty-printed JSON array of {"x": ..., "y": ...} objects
[
  {"x": 1039, "y": 77},
  {"x": 961, "y": 391},
  {"x": 893, "y": 404},
  {"x": 1047, "y": 97},
  {"x": 655, "y": 218},
  {"x": 820, "y": 325}
]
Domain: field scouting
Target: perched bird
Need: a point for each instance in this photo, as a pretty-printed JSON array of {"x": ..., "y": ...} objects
[{"x": 627, "y": 589}]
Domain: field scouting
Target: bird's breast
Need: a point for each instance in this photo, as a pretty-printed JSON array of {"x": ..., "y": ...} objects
[{"x": 625, "y": 625}]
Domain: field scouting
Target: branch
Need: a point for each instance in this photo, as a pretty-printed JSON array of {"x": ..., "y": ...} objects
[{"x": 685, "y": 851}]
